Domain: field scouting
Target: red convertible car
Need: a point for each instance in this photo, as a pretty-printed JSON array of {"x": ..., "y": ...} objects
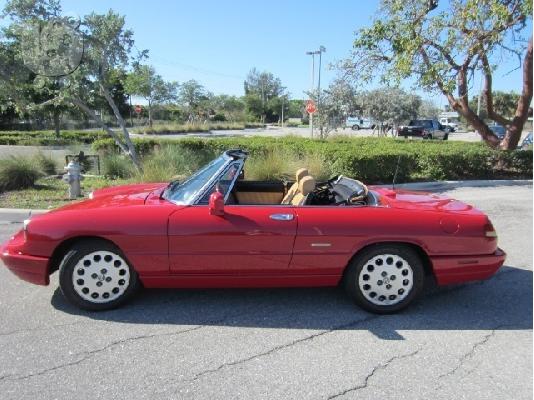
[{"x": 217, "y": 229}]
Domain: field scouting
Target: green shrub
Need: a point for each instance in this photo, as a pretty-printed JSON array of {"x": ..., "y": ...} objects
[
  {"x": 116, "y": 166},
  {"x": 46, "y": 164},
  {"x": 18, "y": 173}
]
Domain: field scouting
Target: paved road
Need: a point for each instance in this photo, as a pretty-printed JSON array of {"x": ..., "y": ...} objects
[{"x": 472, "y": 341}]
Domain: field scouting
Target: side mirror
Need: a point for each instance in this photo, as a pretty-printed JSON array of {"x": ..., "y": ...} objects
[{"x": 216, "y": 203}]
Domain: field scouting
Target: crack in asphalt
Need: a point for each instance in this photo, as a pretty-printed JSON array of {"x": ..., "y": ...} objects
[
  {"x": 89, "y": 354},
  {"x": 376, "y": 368},
  {"x": 471, "y": 352},
  {"x": 283, "y": 346},
  {"x": 40, "y": 328}
]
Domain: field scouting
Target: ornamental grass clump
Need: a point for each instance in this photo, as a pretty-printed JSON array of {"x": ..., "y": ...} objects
[{"x": 18, "y": 173}]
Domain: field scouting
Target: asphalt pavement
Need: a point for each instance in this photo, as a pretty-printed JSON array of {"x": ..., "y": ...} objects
[{"x": 471, "y": 341}]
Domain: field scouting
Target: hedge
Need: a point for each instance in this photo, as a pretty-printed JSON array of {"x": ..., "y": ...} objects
[
  {"x": 49, "y": 138},
  {"x": 372, "y": 160}
]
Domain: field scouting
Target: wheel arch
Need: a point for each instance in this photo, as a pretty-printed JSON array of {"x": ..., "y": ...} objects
[
  {"x": 63, "y": 247},
  {"x": 418, "y": 248}
]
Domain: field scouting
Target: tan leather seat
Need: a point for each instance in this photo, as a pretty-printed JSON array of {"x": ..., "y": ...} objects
[
  {"x": 306, "y": 186},
  {"x": 293, "y": 190}
]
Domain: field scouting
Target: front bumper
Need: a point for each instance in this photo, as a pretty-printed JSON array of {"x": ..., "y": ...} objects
[
  {"x": 458, "y": 269},
  {"x": 33, "y": 269}
]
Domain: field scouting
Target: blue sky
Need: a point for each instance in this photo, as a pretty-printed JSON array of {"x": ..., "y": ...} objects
[{"x": 218, "y": 42}]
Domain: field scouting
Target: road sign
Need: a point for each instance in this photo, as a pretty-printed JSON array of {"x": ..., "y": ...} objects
[
  {"x": 138, "y": 109},
  {"x": 310, "y": 107}
]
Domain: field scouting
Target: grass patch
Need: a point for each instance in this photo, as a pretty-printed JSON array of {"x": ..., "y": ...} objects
[{"x": 48, "y": 193}]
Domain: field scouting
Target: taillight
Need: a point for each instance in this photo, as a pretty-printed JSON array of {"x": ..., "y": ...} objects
[{"x": 489, "y": 230}]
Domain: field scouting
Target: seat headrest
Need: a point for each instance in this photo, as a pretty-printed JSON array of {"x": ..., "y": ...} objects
[
  {"x": 307, "y": 185},
  {"x": 301, "y": 173}
]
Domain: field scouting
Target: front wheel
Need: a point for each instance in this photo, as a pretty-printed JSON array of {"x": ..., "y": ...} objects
[
  {"x": 385, "y": 279},
  {"x": 446, "y": 137},
  {"x": 94, "y": 275},
  {"x": 355, "y": 127}
]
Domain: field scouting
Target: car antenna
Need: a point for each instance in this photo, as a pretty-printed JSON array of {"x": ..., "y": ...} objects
[{"x": 396, "y": 172}]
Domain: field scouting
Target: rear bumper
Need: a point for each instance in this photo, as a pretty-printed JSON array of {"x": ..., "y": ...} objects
[
  {"x": 459, "y": 269},
  {"x": 32, "y": 269}
]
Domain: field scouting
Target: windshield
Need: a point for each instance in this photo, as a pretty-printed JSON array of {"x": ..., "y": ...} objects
[{"x": 185, "y": 192}]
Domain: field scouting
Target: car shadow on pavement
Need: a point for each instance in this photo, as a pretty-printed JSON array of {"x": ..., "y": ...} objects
[{"x": 503, "y": 302}]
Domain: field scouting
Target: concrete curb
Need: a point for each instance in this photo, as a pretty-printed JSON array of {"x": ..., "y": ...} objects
[
  {"x": 429, "y": 186},
  {"x": 22, "y": 211}
]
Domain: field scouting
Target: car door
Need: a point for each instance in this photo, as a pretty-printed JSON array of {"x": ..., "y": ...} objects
[
  {"x": 246, "y": 240},
  {"x": 328, "y": 236},
  {"x": 439, "y": 130}
]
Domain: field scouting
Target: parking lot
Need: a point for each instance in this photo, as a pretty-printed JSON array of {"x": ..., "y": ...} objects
[{"x": 472, "y": 341}]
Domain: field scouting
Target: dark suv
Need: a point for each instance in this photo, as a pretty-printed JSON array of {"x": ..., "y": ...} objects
[{"x": 425, "y": 128}]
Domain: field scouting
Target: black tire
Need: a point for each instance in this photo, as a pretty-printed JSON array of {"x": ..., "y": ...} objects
[
  {"x": 82, "y": 249},
  {"x": 355, "y": 127},
  {"x": 356, "y": 267},
  {"x": 446, "y": 137}
]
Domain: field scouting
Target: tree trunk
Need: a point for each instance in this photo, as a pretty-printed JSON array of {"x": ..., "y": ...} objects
[
  {"x": 91, "y": 114},
  {"x": 57, "y": 116},
  {"x": 132, "y": 153},
  {"x": 149, "y": 114},
  {"x": 513, "y": 133}
]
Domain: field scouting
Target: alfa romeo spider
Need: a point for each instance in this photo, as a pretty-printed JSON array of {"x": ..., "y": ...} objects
[{"x": 216, "y": 229}]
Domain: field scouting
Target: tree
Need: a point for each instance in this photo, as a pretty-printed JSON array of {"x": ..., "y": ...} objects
[
  {"x": 231, "y": 107},
  {"x": 143, "y": 81},
  {"x": 338, "y": 101},
  {"x": 442, "y": 47},
  {"x": 260, "y": 89},
  {"x": 193, "y": 96},
  {"x": 389, "y": 106},
  {"x": 107, "y": 46},
  {"x": 428, "y": 109}
]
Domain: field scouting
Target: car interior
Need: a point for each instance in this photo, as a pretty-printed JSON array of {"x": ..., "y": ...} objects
[{"x": 305, "y": 190}]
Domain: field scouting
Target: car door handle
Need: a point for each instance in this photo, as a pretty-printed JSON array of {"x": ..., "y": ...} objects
[{"x": 282, "y": 217}]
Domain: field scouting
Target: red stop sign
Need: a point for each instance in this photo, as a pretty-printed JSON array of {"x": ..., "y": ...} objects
[
  {"x": 310, "y": 107},
  {"x": 138, "y": 109}
]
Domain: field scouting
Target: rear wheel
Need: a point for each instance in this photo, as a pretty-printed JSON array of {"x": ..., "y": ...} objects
[
  {"x": 355, "y": 127},
  {"x": 385, "y": 279},
  {"x": 446, "y": 137},
  {"x": 94, "y": 275}
]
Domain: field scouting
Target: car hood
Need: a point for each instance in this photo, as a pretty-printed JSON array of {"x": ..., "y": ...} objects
[
  {"x": 114, "y": 196},
  {"x": 415, "y": 200}
]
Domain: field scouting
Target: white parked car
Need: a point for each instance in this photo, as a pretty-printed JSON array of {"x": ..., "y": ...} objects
[
  {"x": 452, "y": 124},
  {"x": 357, "y": 123}
]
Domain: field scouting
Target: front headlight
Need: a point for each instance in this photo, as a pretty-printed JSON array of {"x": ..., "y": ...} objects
[
  {"x": 91, "y": 195},
  {"x": 25, "y": 224}
]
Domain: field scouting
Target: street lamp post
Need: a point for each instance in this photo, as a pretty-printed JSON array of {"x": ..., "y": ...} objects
[
  {"x": 312, "y": 53},
  {"x": 322, "y": 49}
]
